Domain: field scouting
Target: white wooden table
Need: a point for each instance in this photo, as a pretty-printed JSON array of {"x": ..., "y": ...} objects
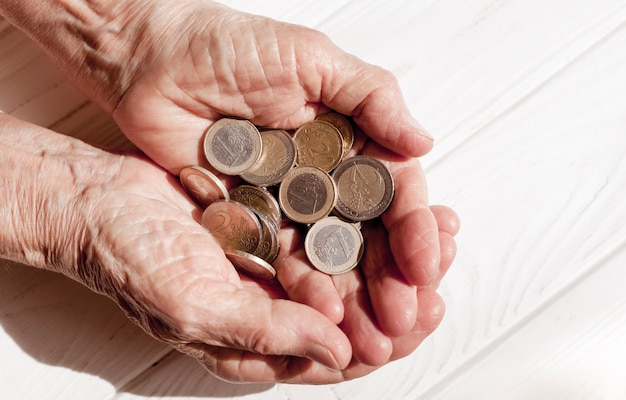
[{"x": 527, "y": 99}]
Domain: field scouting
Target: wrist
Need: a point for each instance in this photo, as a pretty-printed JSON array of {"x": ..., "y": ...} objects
[
  {"x": 102, "y": 44},
  {"x": 49, "y": 183},
  {"x": 98, "y": 44}
]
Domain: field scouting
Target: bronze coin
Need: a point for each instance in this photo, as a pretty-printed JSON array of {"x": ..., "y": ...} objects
[
  {"x": 233, "y": 225},
  {"x": 334, "y": 246},
  {"x": 202, "y": 185},
  {"x": 307, "y": 194},
  {"x": 319, "y": 144},
  {"x": 232, "y": 146},
  {"x": 278, "y": 156},
  {"x": 365, "y": 188},
  {"x": 344, "y": 127}
]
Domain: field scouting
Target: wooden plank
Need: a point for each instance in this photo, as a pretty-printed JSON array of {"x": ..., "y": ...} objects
[
  {"x": 526, "y": 100},
  {"x": 541, "y": 201},
  {"x": 61, "y": 341},
  {"x": 572, "y": 348}
]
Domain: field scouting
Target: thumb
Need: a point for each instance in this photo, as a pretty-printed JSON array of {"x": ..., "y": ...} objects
[{"x": 246, "y": 326}]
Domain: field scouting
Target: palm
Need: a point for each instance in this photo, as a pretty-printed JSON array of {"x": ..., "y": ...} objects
[
  {"x": 171, "y": 277},
  {"x": 168, "y": 275}
]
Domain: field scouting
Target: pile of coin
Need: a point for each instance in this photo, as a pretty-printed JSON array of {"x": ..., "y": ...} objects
[{"x": 305, "y": 176}]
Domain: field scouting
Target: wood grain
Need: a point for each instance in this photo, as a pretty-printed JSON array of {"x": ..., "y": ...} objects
[{"x": 527, "y": 102}]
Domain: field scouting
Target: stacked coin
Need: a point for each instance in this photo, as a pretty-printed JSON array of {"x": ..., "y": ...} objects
[{"x": 314, "y": 179}]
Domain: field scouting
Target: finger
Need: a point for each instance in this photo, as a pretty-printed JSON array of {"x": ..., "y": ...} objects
[
  {"x": 240, "y": 366},
  {"x": 412, "y": 227},
  {"x": 301, "y": 281},
  {"x": 372, "y": 96},
  {"x": 447, "y": 219},
  {"x": 242, "y": 320},
  {"x": 431, "y": 312},
  {"x": 448, "y": 253},
  {"x": 370, "y": 345},
  {"x": 394, "y": 300}
]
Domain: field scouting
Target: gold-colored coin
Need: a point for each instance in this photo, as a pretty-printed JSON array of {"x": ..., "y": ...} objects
[
  {"x": 233, "y": 225},
  {"x": 344, "y": 127},
  {"x": 334, "y": 246},
  {"x": 365, "y": 188},
  {"x": 260, "y": 200},
  {"x": 252, "y": 264},
  {"x": 319, "y": 144},
  {"x": 202, "y": 185},
  {"x": 232, "y": 146},
  {"x": 307, "y": 194},
  {"x": 278, "y": 156}
]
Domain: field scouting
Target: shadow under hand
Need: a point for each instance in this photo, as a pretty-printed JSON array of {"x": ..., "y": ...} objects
[{"x": 58, "y": 322}]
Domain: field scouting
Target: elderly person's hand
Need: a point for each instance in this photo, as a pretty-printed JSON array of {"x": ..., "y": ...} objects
[{"x": 166, "y": 71}]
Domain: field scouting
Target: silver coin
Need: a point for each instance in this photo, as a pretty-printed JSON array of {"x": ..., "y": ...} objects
[
  {"x": 278, "y": 156},
  {"x": 307, "y": 194},
  {"x": 334, "y": 246},
  {"x": 202, "y": 185},
  {"x": 251, "y": 264},
  {"x": 258, "y": 199},
  {"x": 365, "y": 188},
  {"x": 232, "y": 146},
  {"x": 233, "y": 225}
]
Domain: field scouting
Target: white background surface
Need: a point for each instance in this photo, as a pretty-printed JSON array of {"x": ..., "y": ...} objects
[{"x": 527, "y": 100}]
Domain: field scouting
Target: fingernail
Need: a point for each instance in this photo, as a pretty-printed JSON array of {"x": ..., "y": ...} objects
[
  {"x": 421, "y": 130},
  {"x": 323, "y": 356},
  {"x": 427, "y": 135}
]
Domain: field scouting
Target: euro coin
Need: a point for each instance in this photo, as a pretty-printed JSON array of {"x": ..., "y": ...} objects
[
  {"x": 232, "y": 146},
  {"x": 258, "y": 199},
  {"x": 334, "y": 246},
  {"x": 251, "y": 264},
  {"x": 268, "y": 246},
  {"x": 318, "y": 144},
  {"x": 278, "y": 156},
  {"x": 307, "y": 194},
  {"x": 202, "y": 185},
  {"x": 365, "y": 188},
  {"x": 343, "y": 125},
  {"x": 233, "y": 225}
]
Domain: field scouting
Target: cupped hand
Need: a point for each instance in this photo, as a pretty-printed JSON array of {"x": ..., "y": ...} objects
[
  {"x": 197, "y": 61},
  {"x": 223, "y": 62},
  {"x": 143, "y": 247},
  {"x": 201, "y": 61}
]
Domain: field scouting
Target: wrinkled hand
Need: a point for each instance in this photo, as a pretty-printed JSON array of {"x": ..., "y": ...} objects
[
  {"x": 226, "y": 63},
  {"x": 124, "y": 227},
  {"x": 192, "y": 63},
  {"x": 221, "y": 62},
  {"x": 170, "y": 276}
]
